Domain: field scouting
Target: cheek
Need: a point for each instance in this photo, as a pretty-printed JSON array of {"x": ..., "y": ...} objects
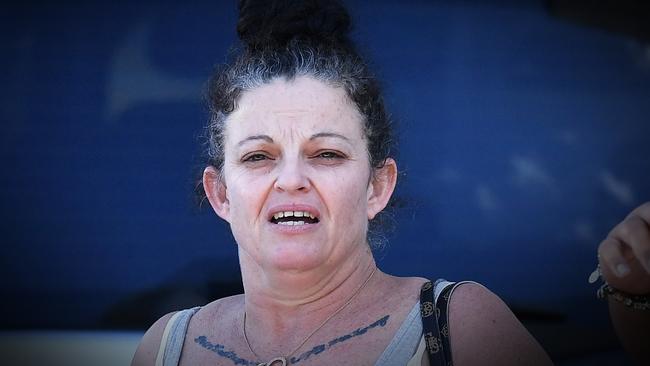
[
  {"x": 351, "y": 217},
  {"x": 246, "y": 196},
  {"x": 348, "y": 196}
]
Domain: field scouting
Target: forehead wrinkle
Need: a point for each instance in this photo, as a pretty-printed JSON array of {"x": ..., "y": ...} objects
[{"x": 290, "y": 112}]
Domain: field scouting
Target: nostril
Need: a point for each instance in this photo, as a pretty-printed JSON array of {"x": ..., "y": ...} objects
[{"x": 291, "y": 179}]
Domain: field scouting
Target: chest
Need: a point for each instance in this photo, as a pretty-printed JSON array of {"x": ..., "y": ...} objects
[
  {"x": 357, "y": 344},
  {"x": 358, "y": 336}
]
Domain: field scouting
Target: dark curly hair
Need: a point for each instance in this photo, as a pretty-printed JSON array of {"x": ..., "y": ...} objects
[{"x": 293, "y": 38}]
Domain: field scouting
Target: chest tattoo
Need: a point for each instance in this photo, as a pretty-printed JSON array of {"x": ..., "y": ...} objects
[{"x": 224, "y": 352}]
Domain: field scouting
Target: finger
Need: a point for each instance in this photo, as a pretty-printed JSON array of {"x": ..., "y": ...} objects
[
  {"x": 611, "y": 257},
  {"x": 635, "y": 233},
  {"x": 642, "y": 212}
]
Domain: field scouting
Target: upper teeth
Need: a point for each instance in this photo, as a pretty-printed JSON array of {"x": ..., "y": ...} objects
[{"x": 292, "y": 214}]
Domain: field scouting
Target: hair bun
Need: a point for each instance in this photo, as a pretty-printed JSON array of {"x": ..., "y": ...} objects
[{"x": 274, "y": 23}]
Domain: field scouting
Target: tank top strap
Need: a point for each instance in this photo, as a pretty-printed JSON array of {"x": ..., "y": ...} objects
[{"x": 171, "y": 344}]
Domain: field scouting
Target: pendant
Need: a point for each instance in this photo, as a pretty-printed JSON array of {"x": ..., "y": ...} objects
[
  {"x": 278, "y": 361},
  {"x": 594, "y": 276}
]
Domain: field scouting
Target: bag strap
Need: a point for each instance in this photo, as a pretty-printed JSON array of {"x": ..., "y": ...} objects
[{"x": 434, "y": 322}]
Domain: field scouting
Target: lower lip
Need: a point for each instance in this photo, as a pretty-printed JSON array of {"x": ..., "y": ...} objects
[{"x": 294, "y": 229}]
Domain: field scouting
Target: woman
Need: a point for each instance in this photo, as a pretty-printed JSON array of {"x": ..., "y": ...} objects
[{"x": 300, "y": 167}]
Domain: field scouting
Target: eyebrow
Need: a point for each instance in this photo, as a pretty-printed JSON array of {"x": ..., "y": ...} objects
[
  {"x": 328, "y": 134},
  {"x": 266, "y": 138}
]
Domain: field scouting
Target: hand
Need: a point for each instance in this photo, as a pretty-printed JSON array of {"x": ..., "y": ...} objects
[{"x": 624, "y": 256}]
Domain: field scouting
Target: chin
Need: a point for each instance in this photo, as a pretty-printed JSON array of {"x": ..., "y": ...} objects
[{"x": 295, "y": 257}]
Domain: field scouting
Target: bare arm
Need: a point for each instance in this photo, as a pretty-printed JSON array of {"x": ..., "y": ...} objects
[
  {"x": 633, "y": 330},
  {"x": 624, "y": 258},
  {"x": 484, "y": 331},
  {"x": 147, "y": 350}
]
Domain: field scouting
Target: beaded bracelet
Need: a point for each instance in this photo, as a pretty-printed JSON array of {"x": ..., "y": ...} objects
[{"x": 636, "y": 302}]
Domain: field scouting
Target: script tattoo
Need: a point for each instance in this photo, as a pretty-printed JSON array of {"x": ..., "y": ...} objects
[{"x": 221, "y": 350}]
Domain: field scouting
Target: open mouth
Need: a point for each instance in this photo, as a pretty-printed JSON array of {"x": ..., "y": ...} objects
[{"x": 293, "y": 218}]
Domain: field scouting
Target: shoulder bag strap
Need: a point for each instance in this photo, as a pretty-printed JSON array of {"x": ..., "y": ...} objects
[{"x": 434, "y": 323}]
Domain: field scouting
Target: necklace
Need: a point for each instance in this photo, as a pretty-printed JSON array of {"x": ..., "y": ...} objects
[{"x": 283, "y": 360}]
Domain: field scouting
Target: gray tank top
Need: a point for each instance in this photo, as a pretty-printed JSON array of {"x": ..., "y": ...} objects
[{"x": 398, "y": 352}]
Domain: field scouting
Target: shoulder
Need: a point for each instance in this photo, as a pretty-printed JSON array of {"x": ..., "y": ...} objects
[
  {"x": 148, "y": 348},
  {"x": 397, "y": 284},
  {"x": 217, "y": 312},
  {"x": 484, "y": 331}
]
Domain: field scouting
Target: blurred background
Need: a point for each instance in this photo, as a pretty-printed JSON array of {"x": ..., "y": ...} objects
[{"x": 524, "y": 129}]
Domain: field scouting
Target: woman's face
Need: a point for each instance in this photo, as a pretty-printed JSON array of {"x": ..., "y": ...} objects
[{"x": 296, "y": 184}]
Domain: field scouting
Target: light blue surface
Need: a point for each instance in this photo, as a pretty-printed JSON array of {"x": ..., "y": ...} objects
[{"x": 60, "y": 348}]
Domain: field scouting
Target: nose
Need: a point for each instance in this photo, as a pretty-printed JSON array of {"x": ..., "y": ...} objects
[{"x": 292, "y": 177}]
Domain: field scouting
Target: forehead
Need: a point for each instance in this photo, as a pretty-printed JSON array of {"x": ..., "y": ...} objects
[{"x": 304, "y": 104}]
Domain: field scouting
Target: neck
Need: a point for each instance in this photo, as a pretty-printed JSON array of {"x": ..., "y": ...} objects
[{"x": 289, "y": 305}]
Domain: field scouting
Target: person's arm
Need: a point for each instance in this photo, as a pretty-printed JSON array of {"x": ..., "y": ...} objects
[
  {"x": 633, "y": 330},
  {"x": 624, "y": 259},
  {"x": 483, "y": 331},
  {"x": 147, "y": 351}
]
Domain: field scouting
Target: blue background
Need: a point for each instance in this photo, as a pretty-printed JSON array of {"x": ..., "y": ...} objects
[{"x": 523, "y": 140}]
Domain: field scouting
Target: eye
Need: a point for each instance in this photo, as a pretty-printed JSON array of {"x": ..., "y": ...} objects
[
  {"x": 329, "y": 155},
  {"x": 255, "y": 157}
]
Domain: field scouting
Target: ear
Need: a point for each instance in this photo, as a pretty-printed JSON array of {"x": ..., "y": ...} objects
[
  {"x": 215, "y": 190},
  {"x": 381, "y": 187}
]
